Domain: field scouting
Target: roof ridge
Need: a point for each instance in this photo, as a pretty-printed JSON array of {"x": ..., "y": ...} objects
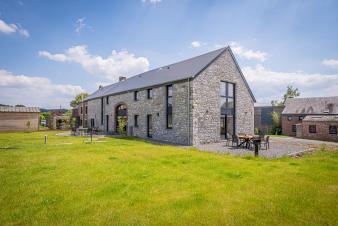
[
  {"x": 297, "y": 98},
  {"x": 168, "y": 65},
  {"x": 180, "y": 70}
]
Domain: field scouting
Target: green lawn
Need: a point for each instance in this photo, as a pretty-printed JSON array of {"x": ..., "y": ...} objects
[{"x": 131, "y": 182}]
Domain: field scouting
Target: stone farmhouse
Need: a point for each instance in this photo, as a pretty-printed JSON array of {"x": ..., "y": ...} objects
[
  {"x": 19, "y": 118},
  {"x": 311, "y": 118},
  {"x": 203, "y": 99}
]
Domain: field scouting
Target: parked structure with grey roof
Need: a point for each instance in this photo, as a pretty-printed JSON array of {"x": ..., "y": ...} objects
[
  {"x": 19, "y": 118},
  {"x": 199, "y": 100},
  {"x": 313, "y": 118},
  {"x": 19, "y": 109}
]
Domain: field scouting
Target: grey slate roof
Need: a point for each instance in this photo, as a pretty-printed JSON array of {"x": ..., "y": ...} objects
[
  {"x": 19, "y": 109},
  {"x": 311, "y": 105},
  {"x": 321, "y": 118},
  {"x": 174, "y": 72}
]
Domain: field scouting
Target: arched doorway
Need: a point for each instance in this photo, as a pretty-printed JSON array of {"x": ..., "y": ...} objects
[{"x": 121, "y": 119}]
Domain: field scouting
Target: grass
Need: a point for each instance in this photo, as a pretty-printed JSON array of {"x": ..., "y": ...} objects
[{"x": 131, "y": 182}]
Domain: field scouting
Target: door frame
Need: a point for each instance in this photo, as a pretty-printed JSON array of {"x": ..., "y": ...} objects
[
  {"x": 224, "y": 119},
  {"x": 149, "y": 118},
  {"x": 107, "y": 126}
]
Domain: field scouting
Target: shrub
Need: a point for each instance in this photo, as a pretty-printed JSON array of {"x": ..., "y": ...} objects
[{"x": 121, "y": 127}]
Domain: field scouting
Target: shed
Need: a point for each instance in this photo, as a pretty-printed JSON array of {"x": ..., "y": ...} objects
[{"x": 19, "y": 118}]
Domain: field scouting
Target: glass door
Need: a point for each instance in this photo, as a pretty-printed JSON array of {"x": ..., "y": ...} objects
[
  {"x": 223, "y": 127},
  {"x": 107, "y": 119},
  {"x": 149, "y": 126}
]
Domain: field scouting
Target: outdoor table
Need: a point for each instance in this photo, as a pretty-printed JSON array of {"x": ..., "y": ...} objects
[{"x": 245, "y": 140}]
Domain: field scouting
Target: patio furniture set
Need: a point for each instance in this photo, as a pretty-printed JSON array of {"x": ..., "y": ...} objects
[{"x": 248, "y": 141}]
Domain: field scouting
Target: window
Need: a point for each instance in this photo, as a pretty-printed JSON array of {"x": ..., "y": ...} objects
[
  {"x": 227, "y": 93},
  {"x": 332, "y": 129},
  {"x": 107, "y": 100},
  {"x": 300, "y": 118},
  {"x": 92, "y": 123},
  {"x": 135, "y": 120},
  {"x": 312, "y": 128},
  {"x": 86, "y": 109},
  {"x": 150, "y": 93},
  {"x": 80, "y": 110},
  {"x": 169, "y": 107},
  {"x": 136, "y": 97},
  {"x": 289, "y": 118},
  {"x": 227, "y": 105},
  {"x": 294, "y": 128}
]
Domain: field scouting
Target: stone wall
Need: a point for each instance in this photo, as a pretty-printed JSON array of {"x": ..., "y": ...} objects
[
  {"x": 287, "y": 124},
  {"x": 142, "y": 107},
  {"x": 94, "y": 112},
  {"x": 206, "y": 101},
  {"x": 322, "y": 131},
  {"x": 83, "y": 114}
]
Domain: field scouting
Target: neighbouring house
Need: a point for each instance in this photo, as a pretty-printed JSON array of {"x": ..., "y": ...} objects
[
  {"x": 19, "y": 118},
  {"x": 58, "y": 119},
  {"x": 312, "y": 118},
  {"x": 203, "y": 99},
  {"x": 80, "y": 113},
  {"x": 263, "y": 117}
]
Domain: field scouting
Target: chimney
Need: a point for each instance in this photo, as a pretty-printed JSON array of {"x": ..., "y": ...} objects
[
  {"x": 100, "y": 86},
  {"x": 122, "y": 78}
]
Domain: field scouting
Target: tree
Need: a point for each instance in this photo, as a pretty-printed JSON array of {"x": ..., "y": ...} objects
[
  {"x": 276, "y": 103},
  {"x": 290, "y": 92},
  {"x": 121, "y": 129},
  {"x": 276, "y": 122},
  {"x": 78, "y": 99},
  {"x": 20, "y": 105}
]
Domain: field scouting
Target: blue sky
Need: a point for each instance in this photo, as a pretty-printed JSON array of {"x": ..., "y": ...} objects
[{"x": 51, "y": 50}]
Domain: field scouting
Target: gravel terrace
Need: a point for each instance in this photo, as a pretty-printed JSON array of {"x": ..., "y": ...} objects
[{"x": 279, "y": 147}]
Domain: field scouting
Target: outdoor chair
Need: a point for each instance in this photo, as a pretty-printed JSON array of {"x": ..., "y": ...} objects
[
  {"x": 235, "y": 140},
  {"x": 266, "y": 142},
  {"x": 229, "y": 140}
]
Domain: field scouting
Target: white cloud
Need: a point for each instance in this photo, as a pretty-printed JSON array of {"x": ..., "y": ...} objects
[
  {"x": 195, "y": 44},
  {"x": 80, "y": 25},
  {"x": 12, "y": 28},
  {"x": 114, "y": 65},
  {"x": 270, "y": 85},
  {"x": 152, "y": 1},
  {"x": 247, "y": 53},
  {"x": 331, "y": 63},
  {"x": 55, "y": 57},
  {"x": 35, "y": 91}
]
